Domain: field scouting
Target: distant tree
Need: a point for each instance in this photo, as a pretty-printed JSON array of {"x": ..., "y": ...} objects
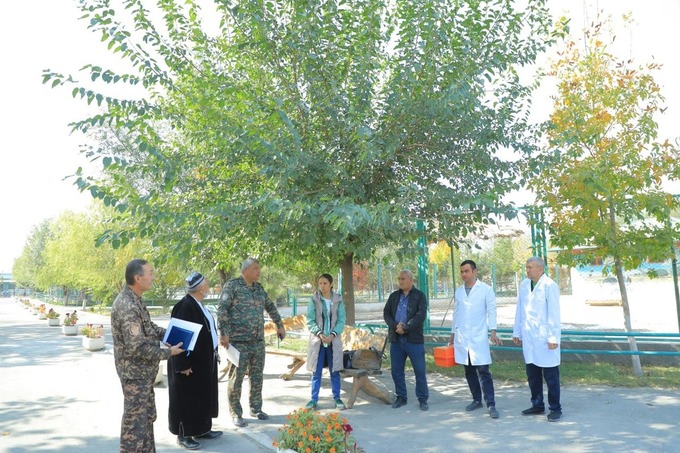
[
  {"x": 27, "y": 266},
  {"x": 315, "y": 131},
  {"x": 603, "y": 182}
]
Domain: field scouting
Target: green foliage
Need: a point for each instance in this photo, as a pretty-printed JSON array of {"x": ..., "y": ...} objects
[
  {"x": 304, "y": 131},
  {"x": 603, "y": 181},
  {"x": 27, "y": 266}
]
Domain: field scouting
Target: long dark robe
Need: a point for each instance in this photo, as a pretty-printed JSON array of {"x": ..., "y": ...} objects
[{"x": 193, "y": 398}]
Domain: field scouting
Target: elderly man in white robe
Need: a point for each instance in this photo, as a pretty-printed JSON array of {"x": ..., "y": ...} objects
[
  {"x": 538, "y": 329},
  {"x": 473, "y": 326}
]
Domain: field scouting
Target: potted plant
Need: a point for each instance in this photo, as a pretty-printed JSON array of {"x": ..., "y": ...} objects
[
  {"x": 70, "y": 326},
  {"x": 52, "y": 318},
  {"x": 93, "y": 337},
  {"x": 310, "y": 432},
  {"x": 41, "y": 312}
]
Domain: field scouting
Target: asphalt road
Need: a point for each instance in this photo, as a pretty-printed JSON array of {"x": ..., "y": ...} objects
[{"x": 58, "y": 397}]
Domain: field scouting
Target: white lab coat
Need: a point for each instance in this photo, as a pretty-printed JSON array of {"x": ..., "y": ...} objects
[
  {"x": 473, "y": 315},
  {"x": 537, "y": 321}
]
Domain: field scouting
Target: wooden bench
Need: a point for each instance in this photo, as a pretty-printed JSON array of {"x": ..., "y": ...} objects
[
  {"x": 352, "y": 339},
  {"x": 361, "y": 377},
  {"x": 299, "y": 359}
]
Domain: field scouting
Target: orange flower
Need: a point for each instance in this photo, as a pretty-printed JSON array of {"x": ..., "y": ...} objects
[{"x": 332, "y": 450}]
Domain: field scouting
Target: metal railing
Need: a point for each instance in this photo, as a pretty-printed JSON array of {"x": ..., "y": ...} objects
[{"x": 596, "y": 337}]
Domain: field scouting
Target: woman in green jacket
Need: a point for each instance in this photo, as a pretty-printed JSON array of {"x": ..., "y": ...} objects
[{"x": 325, "y": 321}]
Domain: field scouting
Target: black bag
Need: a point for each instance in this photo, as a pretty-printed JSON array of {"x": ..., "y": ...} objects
[
  {"x": 347, "y": 359},
  {"x": 361, "y": 359}
]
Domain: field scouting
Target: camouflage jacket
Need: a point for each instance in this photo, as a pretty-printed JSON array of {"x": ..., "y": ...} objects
[
  {"x": 136, "y": 340},
  {"x": 241, "y": 308}
]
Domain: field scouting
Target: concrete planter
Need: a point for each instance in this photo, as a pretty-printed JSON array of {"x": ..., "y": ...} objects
[
  {"x": 93, "y": 344},
  {"x": 53, "y": 322},
  {"x": 42, "y": 316},
  {"x": 69, "y": 330}
]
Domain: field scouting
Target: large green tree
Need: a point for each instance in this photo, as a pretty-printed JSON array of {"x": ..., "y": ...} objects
[
  {"x": 27, "y": 265},
  {"x": 311, "y": 130},
  {"x": 604, "y": 180}
]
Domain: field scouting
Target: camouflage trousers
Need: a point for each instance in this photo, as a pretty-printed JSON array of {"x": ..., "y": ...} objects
[
  {"x": 139, "y": 413},
  {"x": 251, "y": 362}
]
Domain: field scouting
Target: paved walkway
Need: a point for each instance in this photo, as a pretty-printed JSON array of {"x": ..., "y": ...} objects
[{"x": 58, "y": 397}]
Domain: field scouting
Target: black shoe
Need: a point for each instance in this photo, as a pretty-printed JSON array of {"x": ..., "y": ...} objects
[
  {"x": 473, "y": 405},
  {"x": 210, "y": 435},
  {"x": 259, "y": 415},
  {"x": 400, "y": 401},
  {"x": 424, "y": 406},
  {"x": 238, "y": 421},
  {"x": 493, "y": 413},
  {"x": 534, "y": 410},
  {"x": 188, "y": 443},
  {"x": 553, "y": 416}
]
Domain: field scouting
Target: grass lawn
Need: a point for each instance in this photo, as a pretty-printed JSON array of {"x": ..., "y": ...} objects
[{"x": 598, "y": 373}]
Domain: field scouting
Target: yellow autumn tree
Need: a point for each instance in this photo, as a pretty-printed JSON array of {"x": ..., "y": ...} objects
[{"x": 604, "y": 169}]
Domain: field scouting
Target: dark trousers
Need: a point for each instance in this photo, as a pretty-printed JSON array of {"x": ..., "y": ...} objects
[
  {"x": 479, "y": 379},
  {"x": 399, "y": 351},
  {"x": 535, "y": 376}
]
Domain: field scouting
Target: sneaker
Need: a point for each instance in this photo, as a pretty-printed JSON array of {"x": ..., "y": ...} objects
[
  {"x": 259, "y": 415},
  {"x": 424, "y": 406},
  {"x": 533, "y": 410},
  {"x": 473, "y": 405},
  {"x": 553, "y": 416},
  {"x": 493, "y": 413},
  {"x": 239, "y": 422},
  {"x": 340, "y": 405},
  {"x": 311, "y": 405}
]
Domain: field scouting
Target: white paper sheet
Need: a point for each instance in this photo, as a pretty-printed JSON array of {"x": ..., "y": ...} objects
[
  {"x": 188, "y": 325},
  {"x": 233, "y": 354}
]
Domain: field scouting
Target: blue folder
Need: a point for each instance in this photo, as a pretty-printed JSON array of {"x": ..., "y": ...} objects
[{"x": 178, "y": 334}]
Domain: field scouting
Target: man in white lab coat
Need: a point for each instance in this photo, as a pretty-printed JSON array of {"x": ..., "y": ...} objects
[
  {"x": 538, "y": 330},
  {"x": 474, "y": 315}
]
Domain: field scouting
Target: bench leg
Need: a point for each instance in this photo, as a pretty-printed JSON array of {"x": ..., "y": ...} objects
[
  {"x": 357, "y": 383},
  {"x": 377, "y": 392},
  {"x": 296, "y": 365},
  {"x": 224, "y": 372}
]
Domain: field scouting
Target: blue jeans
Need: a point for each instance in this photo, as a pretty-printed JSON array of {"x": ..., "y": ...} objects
[
  {"x": 325, "y": 358},
  {"x": 478, "y": 379},
  {"x": 399, "y": 350},
  {"x": 535, "y": 376}
]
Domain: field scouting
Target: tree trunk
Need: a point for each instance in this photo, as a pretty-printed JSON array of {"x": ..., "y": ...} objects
[
  {"x": 637, "y": 367},
  {"x": 635, "y": 359},
  {"x": 225, "y": 274},
  {"x": 347, "y": 268}
]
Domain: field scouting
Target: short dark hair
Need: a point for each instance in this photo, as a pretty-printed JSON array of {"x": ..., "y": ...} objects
[
  {"x": 134, "y": 267},
  {"x": 327, "y": 277},
  {"x": 470, "y": 262}
]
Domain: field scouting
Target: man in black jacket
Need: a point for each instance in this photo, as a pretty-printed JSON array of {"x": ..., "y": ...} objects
[{"x": 405, "y": 313}]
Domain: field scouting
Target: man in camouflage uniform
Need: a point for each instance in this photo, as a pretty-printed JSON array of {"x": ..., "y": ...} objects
[
  {"x": 240, "y": 315},
  {"x": 136, "y": 352}
]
